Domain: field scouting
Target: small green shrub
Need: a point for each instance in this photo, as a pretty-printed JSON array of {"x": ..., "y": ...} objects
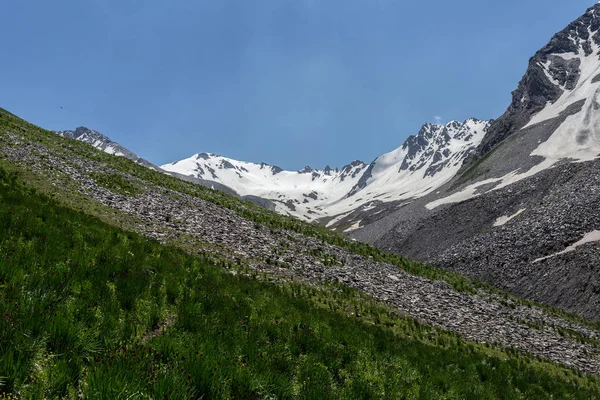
[{"x": 117, "y": 183}]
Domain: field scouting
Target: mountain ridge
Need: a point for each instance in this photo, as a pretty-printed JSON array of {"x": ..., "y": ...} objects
[
  {"x": 550, "y": 123},
  {"x": 104, "y": 143},
  {"x": 433, "y": 155},
  {"x": 271, "y": 247}
]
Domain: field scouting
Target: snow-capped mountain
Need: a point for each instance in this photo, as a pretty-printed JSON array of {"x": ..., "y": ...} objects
[
  {"x": 103, "y": 143},
  {"x": 522, "y": 214},
  {"x": 301, "y": 193},
  {"x": 555, "y": 111},
  {"x": 423, "y": 163}
]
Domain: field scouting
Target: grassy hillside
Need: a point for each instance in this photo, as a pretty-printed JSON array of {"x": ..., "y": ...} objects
[
  {"x": 60, "y": 186},
  {"x": 87, "y": 309}
]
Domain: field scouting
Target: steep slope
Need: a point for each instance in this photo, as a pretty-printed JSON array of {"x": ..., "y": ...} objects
[
  {"x": 559, "y": 75},
  {"x": 531, "y": 191},
  {"x": 155, "y": 322},
  {"x": 249, "y": 242},
  {"x": 422, "y": 164}
]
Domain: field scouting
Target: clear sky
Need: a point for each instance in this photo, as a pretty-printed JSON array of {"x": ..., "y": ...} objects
[{"x": 288, "y": 82}]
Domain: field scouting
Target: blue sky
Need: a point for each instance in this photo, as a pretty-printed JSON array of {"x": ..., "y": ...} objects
[{"x": 288, "y": 82}]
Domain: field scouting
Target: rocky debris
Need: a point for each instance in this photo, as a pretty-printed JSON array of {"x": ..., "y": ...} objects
[
  {"x": 548, "y": 212},
  {"x": 483, "y": 317}
]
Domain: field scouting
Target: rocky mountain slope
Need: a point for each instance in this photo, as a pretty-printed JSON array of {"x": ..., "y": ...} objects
[
  {"x": 523, "y": 212},
  {"x": 104, "y": 143},
  {"x": 201, "y": 220},
  {"x": 512, "y": 202},
  {"x": 423, "y": 163},
  {"x": 154, "y": 321}
]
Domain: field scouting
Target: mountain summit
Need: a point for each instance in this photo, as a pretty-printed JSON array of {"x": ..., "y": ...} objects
[
  {"x": 104, "y": 143},
  {"x": 424, "y": 162},
  {"x": 561, "y": 81}
]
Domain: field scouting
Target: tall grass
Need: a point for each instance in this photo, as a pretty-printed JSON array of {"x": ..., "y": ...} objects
[{"x": 84, "y": 305}]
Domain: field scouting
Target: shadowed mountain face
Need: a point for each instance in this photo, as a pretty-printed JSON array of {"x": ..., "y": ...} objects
[{"x": 523, "y": 212}]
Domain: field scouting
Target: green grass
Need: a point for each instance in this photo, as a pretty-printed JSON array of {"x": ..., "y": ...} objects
[
  {"x": 78, "y": 299},
  {"x": 117, "y": 183}
]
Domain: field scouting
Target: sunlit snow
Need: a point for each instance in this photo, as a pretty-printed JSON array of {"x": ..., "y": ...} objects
[
  {"x": 507, "y": 218},
  {"x": 326, "y": 193},
  {"x": 590, "y": 237}
]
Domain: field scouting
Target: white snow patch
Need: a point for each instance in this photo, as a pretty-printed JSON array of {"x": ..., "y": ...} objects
[
  {"x": 337, "y": 219},
  {"x": 369, "y": 207},
  {"x": 354, "y": 227},
  {"x": 588, "y": 238},
  {"x": 546, "y": 67},
  {"x": 109, "y": 149},
  {"x": 112, "y": 150},
  {"x": 577, "y": 139},
  {"x": 466, "y": 194},
  {"x": 505, "y": 219}
]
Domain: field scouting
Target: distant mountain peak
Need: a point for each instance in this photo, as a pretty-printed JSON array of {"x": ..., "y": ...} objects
[
  {"x": 102, "y": 142},
  {"x": 306, "y": 170}
]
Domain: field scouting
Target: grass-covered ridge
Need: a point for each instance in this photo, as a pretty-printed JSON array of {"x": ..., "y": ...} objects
[
  {"x": 129, "y": 180},
  {"x": 90, "y": 310}
]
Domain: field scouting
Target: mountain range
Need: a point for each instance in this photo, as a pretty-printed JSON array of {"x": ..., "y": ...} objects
[
  {"x": 423, "y": 163},
  {"x": 467, "y": 267},
  {"x": 511, "y": 201}
]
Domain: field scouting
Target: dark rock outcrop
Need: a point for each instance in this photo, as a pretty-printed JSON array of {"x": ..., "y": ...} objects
[{"x": 535, "y": 90}]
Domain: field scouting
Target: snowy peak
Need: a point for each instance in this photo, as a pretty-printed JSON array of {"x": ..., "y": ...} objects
[
  {"x": 89, "y": 136},
  {"x": 562, "y": 83},
  {"x": 247, "y": 177},
  {"x": 554, "y": 117},
  {"x": 424, "y": 161},
  {"x": 559, "y": 76},
  {"x": 569, "y": 66},
  {"x": 102, "y": 142},
  {"x": 437, "y": 145},
  {"x": 568, "y": 62},
  {"x": 420, "y": 165},
  {"x": 303, "y": 193}
]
